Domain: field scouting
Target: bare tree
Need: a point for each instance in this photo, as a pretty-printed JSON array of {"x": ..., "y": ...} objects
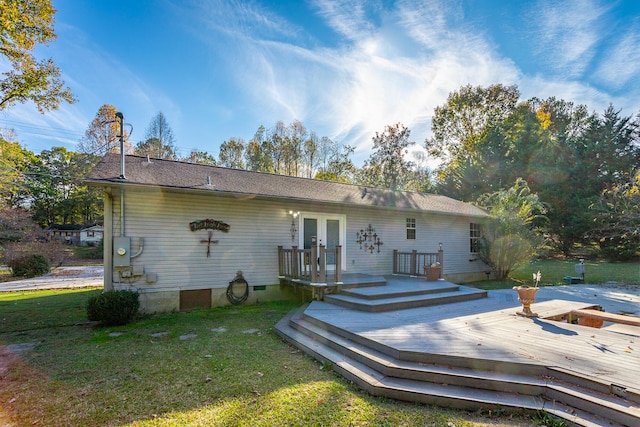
[
  {"x": 387, "y": 166},
  {"x": 310, "y": 155},
  {"x": 159, "y": 140},
  {"x": 103, "y": 134}
]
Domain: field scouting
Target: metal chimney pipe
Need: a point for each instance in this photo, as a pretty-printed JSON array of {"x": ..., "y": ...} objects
[{"x": 120, "y": 116}]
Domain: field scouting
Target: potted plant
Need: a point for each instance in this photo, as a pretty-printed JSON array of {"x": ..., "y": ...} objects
[
  {"x": 432, "y": 271},
  {"x": 527, "y": 296}
]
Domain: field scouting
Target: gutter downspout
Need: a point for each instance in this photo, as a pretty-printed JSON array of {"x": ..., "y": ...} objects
[
  {"x": 107, "y": 240},
  {"x": 121, "y": 211}
]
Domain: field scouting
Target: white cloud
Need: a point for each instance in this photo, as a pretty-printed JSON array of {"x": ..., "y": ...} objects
[
  {"x": 567, "y": 33},
  {"x": 235, "y": 20},
  {"x": 381, "y": 63},
  {"x": 621, "y": 65},
  {"x": 573, "y": 91},
  {"x": 397, "y": 71},
  {"x": 349, "y": 18}
]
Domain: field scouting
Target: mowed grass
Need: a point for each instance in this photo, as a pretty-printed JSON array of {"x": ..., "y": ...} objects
[
  {"x": 218, "y": 367},
  {"x": 553, "y": 271}
]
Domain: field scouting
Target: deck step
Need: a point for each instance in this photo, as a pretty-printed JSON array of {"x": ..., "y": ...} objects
[
  {"x": 379, "y": 384},
  {"x": 355, "y": 280},
  {"x": 407, "y": 289},
  {"x": 391, "y": 302},
  {"x": 382, "y": 375},
  {"x": 436, "y": 373}
]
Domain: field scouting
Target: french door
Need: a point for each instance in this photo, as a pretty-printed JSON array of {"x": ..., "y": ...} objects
[{"x": 324, "y": 229}]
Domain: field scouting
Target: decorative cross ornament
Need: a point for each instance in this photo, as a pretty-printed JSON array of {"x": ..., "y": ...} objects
[
  {"x": 211, "y": 225},
  {"x": 369, "y": 238},
  {"x": 209, "y": 242}
]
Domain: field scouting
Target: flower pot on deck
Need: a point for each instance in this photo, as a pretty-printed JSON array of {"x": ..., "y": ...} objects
[
  {"x": 526, "y": 296},
  {"x": 432, "y": 273}
]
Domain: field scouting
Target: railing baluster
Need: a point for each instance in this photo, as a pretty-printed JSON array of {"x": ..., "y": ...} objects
[
  {"x": 294, "y": 258},
  {"x": 313, "y": 264},
  {"x": 323, "y": 265},
  {"x": 338, "y": 277},
  {"x": 413, "y": 263},
  {"x": 307, "y": 264}
]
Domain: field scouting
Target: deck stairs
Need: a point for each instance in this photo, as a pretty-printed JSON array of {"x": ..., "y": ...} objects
[
  {"x": 398, "y": 294},
  {"x": 448, "y": 381}
]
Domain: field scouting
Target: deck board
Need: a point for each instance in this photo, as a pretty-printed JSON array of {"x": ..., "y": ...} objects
[{"x": 489, "y": 329}]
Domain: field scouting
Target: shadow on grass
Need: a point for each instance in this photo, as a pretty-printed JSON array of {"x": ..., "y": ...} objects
[
  {"x": 24, "y": 311},
  {"x": 217, "y": 367}
]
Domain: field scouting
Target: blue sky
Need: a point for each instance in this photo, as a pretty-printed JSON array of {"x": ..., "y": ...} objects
[{"x": 219, "y": 69}]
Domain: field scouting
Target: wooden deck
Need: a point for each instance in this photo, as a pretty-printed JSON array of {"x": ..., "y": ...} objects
[
  {"x": 471, "y": 331},
  {"x": 486, "y": 334}
]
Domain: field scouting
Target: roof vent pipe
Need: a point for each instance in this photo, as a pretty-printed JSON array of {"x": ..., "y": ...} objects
[{"x": 208, "y": 180}]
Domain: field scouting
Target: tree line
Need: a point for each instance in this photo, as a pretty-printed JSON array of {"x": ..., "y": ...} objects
[
  {"x": 549, "y": 171},
  {"x": 582, "y": 166}
]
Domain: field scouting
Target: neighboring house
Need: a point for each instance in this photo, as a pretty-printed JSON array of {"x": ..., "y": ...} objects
[
  {"x": 66, "y": 233},
  {"x": 179, "y": 232},
  {"x": 91, "y": 236}
]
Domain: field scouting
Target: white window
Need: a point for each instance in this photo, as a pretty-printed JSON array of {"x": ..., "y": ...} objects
[
  {"x": 474, "y": 237},
  {"x": 411, "y": 229}
]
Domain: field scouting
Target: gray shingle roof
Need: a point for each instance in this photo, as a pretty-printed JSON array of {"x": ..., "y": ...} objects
[{"x": 189, "y": 176}]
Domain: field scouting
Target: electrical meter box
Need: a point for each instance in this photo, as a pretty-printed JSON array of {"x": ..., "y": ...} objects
[{"x": 121, "y": 251}]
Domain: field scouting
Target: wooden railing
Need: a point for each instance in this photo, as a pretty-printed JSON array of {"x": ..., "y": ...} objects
[
  {"x": 310, "y": 264},
  {"x": 414, "y": 262}
]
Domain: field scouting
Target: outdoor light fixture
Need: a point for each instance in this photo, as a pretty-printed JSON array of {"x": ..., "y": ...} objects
[{"x": 294, "y": 228}]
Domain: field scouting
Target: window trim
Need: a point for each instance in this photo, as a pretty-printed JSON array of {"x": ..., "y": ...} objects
[
  {"x": 474, "y": 237},
  {"x": 411, "y": 228}
]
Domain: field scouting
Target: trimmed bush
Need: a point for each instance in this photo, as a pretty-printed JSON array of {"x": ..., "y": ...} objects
[
  {"x": 620, "y": 249},
  {"x": 113, "y": 308},
  {"x": 29, "y": 265}
]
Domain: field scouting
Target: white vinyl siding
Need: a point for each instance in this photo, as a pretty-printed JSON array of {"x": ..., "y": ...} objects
[
  {"x": 257, "y": 227},
  {"x": 177, "y": 255}
]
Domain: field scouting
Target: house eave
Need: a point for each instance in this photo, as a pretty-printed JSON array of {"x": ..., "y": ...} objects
[{"x": 120, "y": 183}]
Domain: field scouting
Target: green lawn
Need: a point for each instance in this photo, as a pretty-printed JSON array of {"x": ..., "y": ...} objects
[
  {"x": 553, "y": 271},
  {"x": 218, "y": 367}
]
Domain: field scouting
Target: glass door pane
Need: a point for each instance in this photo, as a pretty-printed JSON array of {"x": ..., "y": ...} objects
[
  {"x": 310, "y": 234},
  {"x": 332, "y": 238},
  {"x": 325, "y": 229}
]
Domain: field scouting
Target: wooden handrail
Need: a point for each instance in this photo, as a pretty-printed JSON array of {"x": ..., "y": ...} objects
[
  {"x": 413, "y": 263},
  {"x": 309, "y": 264}
]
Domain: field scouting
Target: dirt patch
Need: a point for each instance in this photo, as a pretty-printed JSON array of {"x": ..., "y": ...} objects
[
  {"x": 67, "y": 272},
  {"x": 15, "y": 374},
  {"x": 82, "y": 262}
]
